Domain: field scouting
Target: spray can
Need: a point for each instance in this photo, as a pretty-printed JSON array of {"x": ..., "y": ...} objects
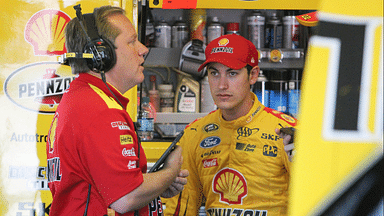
[
  {"x": 278, "y": 97},
  {"x": 149, "y": 34},
  {"x": 179, "y": 33},
  {"x": 256, "y": 25},
  {"x": 291, "y": 32},
  {"x": 163, "y": 35},
  {"x": 233, "y": 28},
  {"x": 215, "y": 29},
  {"x": 294, "y": 83},
  {"x": 273, "y": 33},
  {"x": 198, "y": 22},
  {"x": 261, "y": 89},
  {"x": 187, "y": 97}
]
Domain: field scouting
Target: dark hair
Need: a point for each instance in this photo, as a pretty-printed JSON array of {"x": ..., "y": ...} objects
[
  {"x": 75, "y": 38},
  {"x": 249, "y": 68}
]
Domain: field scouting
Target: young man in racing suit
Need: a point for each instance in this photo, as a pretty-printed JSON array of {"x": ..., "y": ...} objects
[{"x": 235, "y": 155}]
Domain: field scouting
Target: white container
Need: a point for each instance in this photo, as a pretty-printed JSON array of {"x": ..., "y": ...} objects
[
  {"x": 167, "y": 98},
  {"x": 207, "y": 103}
]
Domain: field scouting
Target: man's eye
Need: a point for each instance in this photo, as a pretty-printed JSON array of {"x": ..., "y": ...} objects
[
  {"x": 213, "y": 73},
  {"x": 232, "y": 73}
]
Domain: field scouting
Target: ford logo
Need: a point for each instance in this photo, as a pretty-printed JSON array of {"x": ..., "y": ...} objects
[{"x": 210, "y": 142}]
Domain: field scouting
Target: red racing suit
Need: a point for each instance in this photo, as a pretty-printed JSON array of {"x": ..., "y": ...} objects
[
  {"x": 92, "y": 141},
  {"x": 239, "y": 167}
]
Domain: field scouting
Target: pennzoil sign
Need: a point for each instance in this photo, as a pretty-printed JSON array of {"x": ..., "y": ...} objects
[{"x": 39, "y": 86}]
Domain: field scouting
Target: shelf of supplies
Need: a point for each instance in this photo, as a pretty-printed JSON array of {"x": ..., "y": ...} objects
[{"x": 269, "y": 58}]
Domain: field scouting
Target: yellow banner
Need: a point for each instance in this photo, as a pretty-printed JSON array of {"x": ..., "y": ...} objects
[{"x": 340, "y": 136}]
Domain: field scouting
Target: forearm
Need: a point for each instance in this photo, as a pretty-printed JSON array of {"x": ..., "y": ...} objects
[{"x": 153, "y": 185}]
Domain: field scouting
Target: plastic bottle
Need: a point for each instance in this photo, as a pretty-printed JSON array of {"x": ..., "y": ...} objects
[
  {"x": 146, "y": 121},
  {"x": 167, "y": 98},
  {"x": 187, "y": 97},
  {"x": 207, "y": 103},
  {"x": 154, "y": 96}
]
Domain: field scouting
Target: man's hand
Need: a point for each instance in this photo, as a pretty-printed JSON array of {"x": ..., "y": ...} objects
[
  {"x": 288, "y": 142},
  {"x": 177, "y": 186}
]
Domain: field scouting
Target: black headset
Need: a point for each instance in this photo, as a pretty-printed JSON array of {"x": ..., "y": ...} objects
[{"x": 102, "y": 49}]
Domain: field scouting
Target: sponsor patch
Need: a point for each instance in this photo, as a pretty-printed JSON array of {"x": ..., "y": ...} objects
[
  {"x": 126, "y": 139},
  {"x": 131, "y": 165},
  {"x": 245, "y": 147},
  {"x": 211, "y": 127},
  {"x": 236, "y": 211},
  {"x": 129, "y": 152},
  {"x": 223, "y": 42},
  {"x": 121, "y": 125},
  {"x": 222, "y": 49},
  {"x": 210, "y": 162},
  {"x": 273, "y": 137},
  {"x": 245, "y": 131},
  {"x": 270, "y": 151},
  {"x": 231, "y": 185},
  {"x": 289, "y": 119},
  {"x": 206, "y": 154},
  {"x": 210, "y": 142}
]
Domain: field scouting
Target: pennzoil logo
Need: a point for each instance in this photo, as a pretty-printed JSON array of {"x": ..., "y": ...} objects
[
  {"x": 211, "y": 127},
  {"x": 45, "y": 32},
  {"x": 39, "y": 86},
  {"x": 231, "y": 185}
]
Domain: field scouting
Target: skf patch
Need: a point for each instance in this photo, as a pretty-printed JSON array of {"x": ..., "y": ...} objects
[
  {"x": 126, "y": 139},
  {"x": 211, "y": 127},
  {"x": 245, "y": 147},
  {"x": 245, "y": 131},
  {"x": 273, "y": 137},
  {"x": 270, "y": 151}
]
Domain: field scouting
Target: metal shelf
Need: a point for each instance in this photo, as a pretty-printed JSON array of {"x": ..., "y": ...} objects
[
  {"x": 178, "y": 118},
  {"x": 290, "y": 59}
]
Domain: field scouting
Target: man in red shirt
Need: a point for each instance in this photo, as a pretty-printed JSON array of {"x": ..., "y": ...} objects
[{"x": 94, "y": 159}]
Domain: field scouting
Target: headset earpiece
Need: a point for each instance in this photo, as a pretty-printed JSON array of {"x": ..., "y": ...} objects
[{"x": 103, "y": 50}]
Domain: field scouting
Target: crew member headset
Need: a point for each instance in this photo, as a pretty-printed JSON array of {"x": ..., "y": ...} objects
[{"x": 100, "y": 55}]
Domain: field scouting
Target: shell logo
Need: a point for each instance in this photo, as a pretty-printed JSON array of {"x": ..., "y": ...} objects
[
  {"x": 288, "y": 118},
  {"x": 223, "y": 42},
  {"x": 45, "y": 32},
  {"x": 38, "y": 86},
  {"x": 231, "y": 185}
]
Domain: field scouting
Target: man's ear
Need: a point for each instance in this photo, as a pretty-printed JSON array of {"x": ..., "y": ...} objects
[{"x": 254, "y": 74}]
